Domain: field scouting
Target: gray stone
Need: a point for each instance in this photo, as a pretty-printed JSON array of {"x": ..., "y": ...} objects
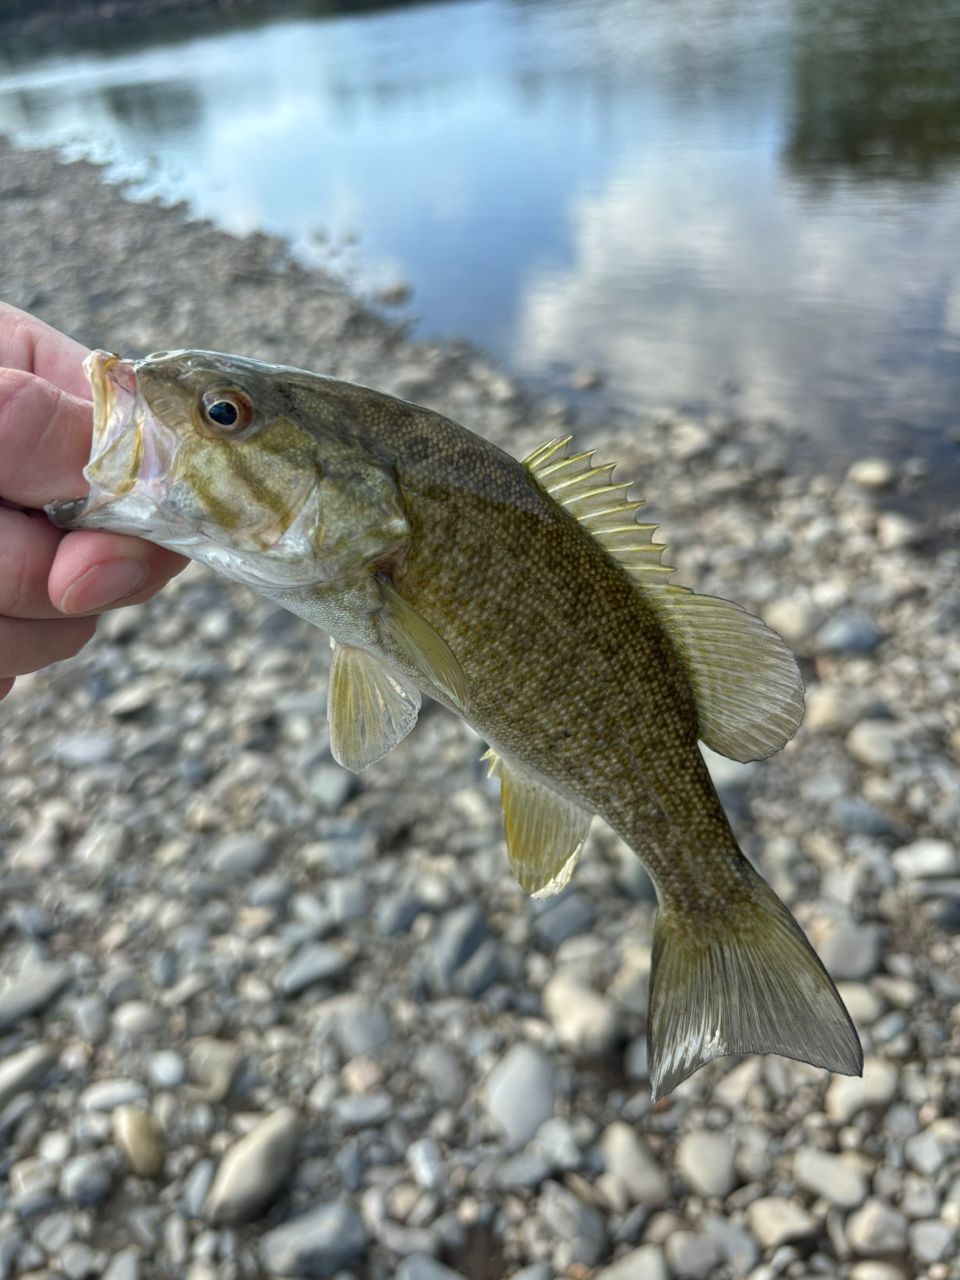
[
  {"x": 691, "y": 1255},
  {"x": 872, "y": 473},
  {"x": 396, "y": 913},
  {"x": 848, "y": 1095},
  {"x": 425, "y": 1164},
  {"x": 848, "y": 632},
  {"x": 363, "y": 1110},
  {"x": 705, "y": 1161},
  {"x": 106, "y": 1095},
  {"x": 317, "y": 1244},
  {"x": 31, "y": 991},
  {"x": 440, "y": 1067},
  {"x": 331, "y": 787},
  {"x": 254, "y": 1170},
  {"x": 421, "y": 1266},
  {"x": 925, "y": 1152},
  {"x": 829, "y": 1176},
  {"x": 860, "y": 817},
  {"x": 849, "y": 951},
  {"x": 929, "y": 1241},
  {"x": 85, "y": 750},
  {"x": 774, "y": 1221},
  {"x": 539, "y": 1271},
  {"x": 481, "y": 971},
  {"x": 240, "y": 855},
  {"x": 86, "y": 1179},
  {"x": 458, "y": 936},
  {"x": 348, "y": 899},
  {"x": 10, "y": 1243},
  {"x": 124, "y": 1265},
  {"x": 77, "y": 1260},
  {"x": 363, "y": 1030},
  {"x": 626, "y": 1155},
  {"x": 23, "y": 1070},
  {"x": 556, "y": 1139},
  {"x": 925, "y": 858},
  {"x": 586, "y": 1022},
  {"x": 876, "y": 1229},
  {"x": 518, "y": 1093},
  {"x": 140, "y": 1139},
  {"x": 136, "y": 1018},
  {"x": 524, "y": 1171},
  {"x": 166, "y": 1069},
  {"x": 52, "y": 1232},
  {"x": 581, "y": 1227},
  {"x": 214, "y": 1066},
  {"x": 33, "y": 1184},
  {"x": 571, "y": 914},
  {"x": 196, "y": 1185},
  {"x": 875, "y": 743},
  {"x": 645, "y": 1263},
  {"x": 314, "y": 962}
]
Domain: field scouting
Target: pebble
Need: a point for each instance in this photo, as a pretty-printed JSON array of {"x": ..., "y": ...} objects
[
  {"x": 213, "y": 1066},
  {"x": 314, "y": 962},
  {"x": 775, "y": 1221},
  {"x": 363, "y": 1029},
  {"x": 136, "y": 1018},
  {"x": 877, "y": 1228},
  {"x": 425, "y": 1164},
  {"x": 85, "y": 750},
  {"x": 558, "y": 1143},
  {"x": 875, "y": 743},
  {"x": 30, "y": 992},
  {"x": 240, "y": 855},
  {"x": 86, "y": 1179},
  {"x": 363, "y": 1111},
  {"x": 846, "y": 1096},
  {"x": 458, "y": 936},
  {"x": 625, "y": 1154},
  {"x": 705, "y": 1160},
  {"x": 518, "y": 1093},
  {"x": 316, "y": 1244},
  {"x": 876, "y": 1271},
  {"x": 929, "y": 1241},
  {"x": 872, "y": 473},
  {"x": 793, "y": 617},
  {"x": 829, "y": 1176},
  {"x": 848, "y": 632},
  {"x": 420, "y": 1266},
  {"x": 586, "y": 1023},
  {"x": 645, "y": 1263},
  {"x": 348, "y": 899},
  {"x": 577, "y": 1224},
  {"x": 24, "y": 1070},
  {"x": 925, "y": 858},
  {"x": 691, "y": 1255},
  {"x": 850, "y": 952},
  {"x": 254, "y": 1170},
  {"x": 166, "y": 1069},
  {"x": 107, "y": 1095},
  {"x": 925, "y": 1152},
  {"x": 564, "y": 917},
  {"x": 140, "y": 1139}
]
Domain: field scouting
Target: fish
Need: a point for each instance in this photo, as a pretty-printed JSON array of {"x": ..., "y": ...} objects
[{"x": 526, "y": 598}]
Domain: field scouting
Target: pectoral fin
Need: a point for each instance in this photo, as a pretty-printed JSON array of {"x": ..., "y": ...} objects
[
  {"x": 423, "y": 646},
  {"x": 369, "y": 707},
  {"x": 544, "y": 831}
]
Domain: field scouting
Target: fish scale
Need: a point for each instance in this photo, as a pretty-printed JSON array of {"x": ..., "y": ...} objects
[{"x": 524, "y": 597}]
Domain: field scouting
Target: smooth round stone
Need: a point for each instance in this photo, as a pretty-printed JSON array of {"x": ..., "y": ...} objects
[
  {"x": 875, "y": 743},
  {"x": 829, "y": 1176},
  {"x": 196, "y": 1185},
  {"x": 871, "y": 1270},
  {"x": 872, "y": 473},
  {"x": 925, "y": 858},
  {"x": 135, "y": 1018},
  {"x": 425, "y": 1164},
  {"x": 363, "y": 1110},
  {"x": 793, "y": 617},
  {"x": 124, "y": 1265},
  {"x": 110, "y": 1094},
  {"x": 240, "y": 855},
  {"x": 579, "y": 1225},
  {"x": 645, "y": 1263},
  {"x": 848, "y": 632},
  {"x": 87, "y": 1179},
  {"x": 848, "y": 1095},
  {"x": 167, "y": 1069},
  {"x": 705, "y": 1162},
  {"x": 22, "y": 1071},
  {"x": 421, "y": 1266},
  {"x": 691, "y": 1255},
  {"x": 586, "y": 1022},
  {"x": 254, "y": 1170},
  {"x": 31, "y": 991},
  {"x": 518, "y": 1093},
  {"x": 213, "y": 1066},
  {"x": 314, "y": 962},
  {"x": 348, "y": 899},
  {"x": 877, "y": 1228},
  {"x": 849, "y": 951},
  {"x": 363, "y": 1030},
  {"x": 557, "y": 1141},
  {"x": 85, "y": 750},
  {"x": 625, "y": 1154},
  {"x": 139, "y": 1138},
  {"x": 316, "y": 1244},
  {"x": 775, "y": 1221}
]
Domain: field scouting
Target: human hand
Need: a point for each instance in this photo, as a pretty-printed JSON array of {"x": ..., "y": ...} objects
[{"x": 53, "y": 584}]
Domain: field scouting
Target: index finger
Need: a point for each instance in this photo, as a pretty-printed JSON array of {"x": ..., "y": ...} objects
[
  {"x": 27, "y": 343},
  {"x": 44, "y": 440}
]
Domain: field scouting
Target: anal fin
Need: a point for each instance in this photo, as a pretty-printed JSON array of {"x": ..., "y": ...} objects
[
  {"x": 544, "y": 831},
  {"x": 369, "y": 707}
]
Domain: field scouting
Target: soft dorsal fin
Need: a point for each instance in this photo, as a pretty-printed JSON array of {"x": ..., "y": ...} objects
[
  {"x": 369, "y": 707},
  {"x": 544, "y": 831},
  {"x": 745, "y": 680}
]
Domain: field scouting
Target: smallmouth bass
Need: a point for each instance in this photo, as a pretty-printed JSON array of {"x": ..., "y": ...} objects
[{"x": 526, "y": 598}]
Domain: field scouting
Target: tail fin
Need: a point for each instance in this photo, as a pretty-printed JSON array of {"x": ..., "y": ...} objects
[{"x": 752, "y": 984}]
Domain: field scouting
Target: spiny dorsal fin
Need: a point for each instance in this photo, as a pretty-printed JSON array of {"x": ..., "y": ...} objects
[
  {"x": 544, "y": 831},
  {"x": 369, "y": 708},
  {"x": 745, "y": 680}
]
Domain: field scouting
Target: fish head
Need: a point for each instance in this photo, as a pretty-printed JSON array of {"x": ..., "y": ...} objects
[{"x": 239, "y": 464}]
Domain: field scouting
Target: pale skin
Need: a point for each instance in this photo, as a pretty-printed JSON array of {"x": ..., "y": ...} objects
[{"x": 53, "y": 585}]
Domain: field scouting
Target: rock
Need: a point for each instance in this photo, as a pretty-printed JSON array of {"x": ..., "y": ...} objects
[
  {"x": 317, "y": 1244},
  {"x": 135, "y": 1018},
  {"x": 830, "y": 708},
  {"x": 85, "y": 750},
  {"x": 645, "y": 1263},
  {"x": 849, "y": 951},
  {"x": 691, "y": 1255},
  {"x": 22, "y": 1071},
  {"x": 625, "y": 1154},
  {"x": 31, "y": 991},
  {"x": 139, "y": 1138},
  {"x": 458, "y": 936},
  {"x": 331, "y": 787},
  {"x": 241, "y": 855},
  {"x": 196, "y": 1185},
  {"x": 87, "y": 1179},
  {"x": 876, "y": 1271},
  {"x": 254, "y": 1170},
  {"x": 895, "y": 530},
  {"x": 859, "y": 817},
  {"x": 793, "y": 617},
  {"x": 829, "y": 1176},
  {"x": 213, "y": 1067},
  {"x": 314, "y": 962},
  {"x": 100, "y": 847},
  {"x": 362, "y": 1030},
  {"x": 847, "y": 1095},
  {"x": 425, "y": 1164},
  {"x": 347, "y": 898},
  {"x": 77, "y": 1260},
  {"x": 876, "y": 1229},
  {"x": 705, "y": 1161},
  {"x": 481, "y": 971},
  {"x": 774, "y": 1221},
  {"x": 925, "y": 1152},
  {"x": 925, "y": 858},
  {"x": 363, "y": 1110},
  {"x": 107, "y": 1095},
  {"x": 420, "y": 1266},
  {"x": 440, "y": 1067},
  {"x": 848, "y": 632},
  {"x": 166, "y": 1069},
  {"x": 518, "y": 1093},
  {"x": 929, "y": 1241},
  {"x": 577, "y": 1224},
  {"x": 876, "y": 743},
  {"x": 557, "y": 1141},
  {"x": 525, "y": 1171},
  {"x": 124, "y": 1265},
  {"x": 872, "y": 473},
  {"x": 563, "y": 917},
  {"x": 586, "y": 1023}
]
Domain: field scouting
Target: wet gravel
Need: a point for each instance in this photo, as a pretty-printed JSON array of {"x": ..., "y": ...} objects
[{"x": 260, "y": 1017}]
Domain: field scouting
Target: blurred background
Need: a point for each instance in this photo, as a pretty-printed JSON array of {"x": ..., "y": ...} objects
[{"x": 751, "y": 206}]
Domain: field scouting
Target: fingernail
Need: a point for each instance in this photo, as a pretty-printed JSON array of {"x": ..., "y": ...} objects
[{"x": 103, "y": 586}]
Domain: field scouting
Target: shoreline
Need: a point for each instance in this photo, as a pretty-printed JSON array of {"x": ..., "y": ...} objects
[{"x": 357, "y": 1045}]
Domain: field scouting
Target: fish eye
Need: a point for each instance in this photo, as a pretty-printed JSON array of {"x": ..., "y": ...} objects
[{"x": 226, "y": 410}]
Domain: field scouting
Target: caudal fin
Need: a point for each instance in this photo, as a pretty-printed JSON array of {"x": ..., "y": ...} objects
[{"x": 754, "y": 985}]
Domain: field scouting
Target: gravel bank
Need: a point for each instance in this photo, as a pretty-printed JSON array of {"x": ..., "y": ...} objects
[{"x": 261, "y": 1017}]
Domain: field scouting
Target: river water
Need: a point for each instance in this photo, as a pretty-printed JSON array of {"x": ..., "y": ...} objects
[{"x": 746, "y": 204}]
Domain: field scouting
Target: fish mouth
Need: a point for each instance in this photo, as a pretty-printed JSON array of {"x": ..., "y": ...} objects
[{"x": 128, "y": 454}]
